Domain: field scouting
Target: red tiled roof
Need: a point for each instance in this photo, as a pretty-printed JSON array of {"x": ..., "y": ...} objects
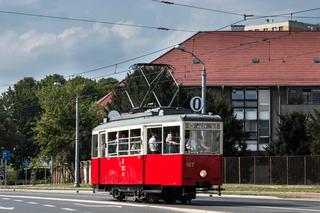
[
  {"x": 286, "y": 58},
  {"x": 105, "y": 100}
]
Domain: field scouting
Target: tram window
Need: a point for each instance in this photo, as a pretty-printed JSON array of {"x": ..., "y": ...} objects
[
  {"x": 172, "y": 139},
  {"x": 203, "y": 141},
  {"x": 154, "y": 140},
  {"x": 112, "y": 144},
  {"x": 135, "y": 141},
  {"x": 124, "y": 142},
  {"x": 94, "y": 146},
  {"x": 102, "y": 145}
]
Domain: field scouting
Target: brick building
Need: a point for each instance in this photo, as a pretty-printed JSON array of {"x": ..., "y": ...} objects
[{"x": 263, "y": 74}]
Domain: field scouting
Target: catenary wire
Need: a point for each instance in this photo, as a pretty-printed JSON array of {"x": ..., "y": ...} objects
[{"x": 93, "y": 21}]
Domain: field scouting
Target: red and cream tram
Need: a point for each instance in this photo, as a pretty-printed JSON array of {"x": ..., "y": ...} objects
[{"x": 159, "y": 154}]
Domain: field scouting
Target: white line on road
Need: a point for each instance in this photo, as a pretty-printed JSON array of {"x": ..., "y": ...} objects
[
  {"x": 97, "y": 206},
  {"x": 48, "y": 205},
  {"x": 33, "y": 203},
  {"x": 6, "y": 208},
  {"x": 68, "y": 209},
  {"x": 287, "y": 208},
  {"x": 6, "y": 198},
  {"x": 18, "y": 200},
  {"x": 185, "y": 210}
]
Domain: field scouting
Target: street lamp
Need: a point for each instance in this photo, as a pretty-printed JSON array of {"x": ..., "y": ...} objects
[
  {"x": 196, "y": 60},
  {"x": 76, "y": 154}
]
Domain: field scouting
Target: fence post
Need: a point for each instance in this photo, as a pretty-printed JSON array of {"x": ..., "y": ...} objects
[
  {"x": 254, "y": 169},
  {"x": 287, "y": 170},
  {"x": 239, "y": 169},
  {"x": 270, "y": 169},
  {"x": 224, "y": 169},
  {"x": 305, "y": 169}
]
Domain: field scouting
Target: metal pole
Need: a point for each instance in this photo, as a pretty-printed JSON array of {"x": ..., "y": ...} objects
[
  {"x": 45, "y": 175},
  {"x": 76, "y": 163},
  {"x": 51, "y": 170},
  {"x": 26, "y": 176},
  {"x": 203, "y": 88},
  {"x": 5, "y": 173}
]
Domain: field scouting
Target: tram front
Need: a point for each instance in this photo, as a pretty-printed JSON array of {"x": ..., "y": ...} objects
[{"x": 203, "y": 159}]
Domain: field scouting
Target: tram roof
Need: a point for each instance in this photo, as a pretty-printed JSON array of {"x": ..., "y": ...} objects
[{"x": 155, "y": 116}]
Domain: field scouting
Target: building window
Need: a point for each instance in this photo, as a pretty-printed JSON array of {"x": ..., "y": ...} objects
[
  {"x": 252, "y": 105},
  {"x": 281, "y": 28},
  {"x": 307, "y": 96},
  {"x": 237, "y": 94}
]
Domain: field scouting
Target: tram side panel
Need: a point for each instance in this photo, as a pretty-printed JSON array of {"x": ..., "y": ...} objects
[
  {"x": 202, "y": 170},
  {"x": 172, "y": 170},
  {"x": 95, "y": 168},
  {"x": 121, "y": 170},
  {"x": 152, "y": 169}
]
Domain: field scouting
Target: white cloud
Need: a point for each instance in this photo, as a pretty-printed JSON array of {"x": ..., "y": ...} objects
[{"x": 125, "y": 31}]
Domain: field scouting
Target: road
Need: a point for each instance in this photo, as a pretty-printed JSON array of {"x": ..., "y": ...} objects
[{"x": 85, "y": 202}]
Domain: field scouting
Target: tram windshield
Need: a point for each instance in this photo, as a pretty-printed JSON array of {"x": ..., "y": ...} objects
[{"x": 203, "y": 138}]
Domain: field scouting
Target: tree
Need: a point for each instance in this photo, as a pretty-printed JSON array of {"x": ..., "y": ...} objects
[
  {"x": 292, "y": 138},
  {"x": 9, "y": 135},
  {"x": 313, "y": 127},
  {"x": 233, "y": 134},
  {"x": 55, "y": 130},
  {"x": 22, "y": 107}
]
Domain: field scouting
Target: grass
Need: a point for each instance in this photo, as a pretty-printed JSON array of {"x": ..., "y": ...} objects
[{"x": 270, "y": 188}]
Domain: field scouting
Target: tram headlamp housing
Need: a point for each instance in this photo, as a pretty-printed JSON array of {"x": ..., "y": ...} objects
[{"x": 203, "y": 173}]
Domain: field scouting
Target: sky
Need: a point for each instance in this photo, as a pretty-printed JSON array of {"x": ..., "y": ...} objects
[{"x": 32, "y": 46}]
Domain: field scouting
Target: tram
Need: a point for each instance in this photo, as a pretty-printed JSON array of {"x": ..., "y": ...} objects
[{"x": 159, "y": 154}]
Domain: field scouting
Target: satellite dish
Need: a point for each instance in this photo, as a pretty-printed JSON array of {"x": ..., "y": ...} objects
[{"x": 113, "y": 113}]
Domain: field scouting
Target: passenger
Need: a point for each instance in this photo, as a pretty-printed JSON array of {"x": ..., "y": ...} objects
[
  {"x": 172, "y": 146},
  {"x": 191, "y": 143},
  {"x": 154, "y": 144}
]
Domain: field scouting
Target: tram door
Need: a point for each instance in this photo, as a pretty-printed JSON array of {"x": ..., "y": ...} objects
[{"x": 153, "y": 160}]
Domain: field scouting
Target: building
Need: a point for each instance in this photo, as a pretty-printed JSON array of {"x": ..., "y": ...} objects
[
  {"x": 263, "y": 74},
  {"x": 282, "y": 26}
]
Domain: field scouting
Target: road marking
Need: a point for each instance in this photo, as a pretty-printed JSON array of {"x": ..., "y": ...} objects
[
  {"x": 48, "y": 205},
  {"x": 97, "y": 206},
  {"x": 6, "y": 208},
  {"x": 33, "y": 203},
  {"x": 18, "y": 200},
  {"x": 6, "y": 198},
  {"x": 287, "y": 208},
  {"x": 185, "y": 210},
  {"x": 68, "y": 209}
]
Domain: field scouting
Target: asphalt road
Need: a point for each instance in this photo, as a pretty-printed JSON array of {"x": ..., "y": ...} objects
[{"x": 86, "y": 202}]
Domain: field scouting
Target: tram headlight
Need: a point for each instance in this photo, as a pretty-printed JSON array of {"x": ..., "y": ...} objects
[{"x": 203, "y": 173}]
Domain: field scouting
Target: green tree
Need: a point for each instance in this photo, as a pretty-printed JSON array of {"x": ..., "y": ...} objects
[
  {"x": 9, "y": 135},
  {"x": 292, "y": 137},
  {"x": 22, "y": 108},
  {"x": 55, "y": 130},
  {"x": 233, "y": 135},
  {"x": 313, "y": 127}
]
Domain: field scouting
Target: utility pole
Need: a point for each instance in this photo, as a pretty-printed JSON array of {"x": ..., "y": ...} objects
[
  {"x": 203, "y": 88},
  {"x": 197, "y": 60},
  {"x": 76, "y": 160}
]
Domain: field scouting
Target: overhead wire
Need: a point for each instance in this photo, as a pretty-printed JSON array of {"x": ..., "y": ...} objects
[
  {"x": 120, "y": 62},
  {"x": 288, "y": 14},
  {"x": 94, "y": 21}
]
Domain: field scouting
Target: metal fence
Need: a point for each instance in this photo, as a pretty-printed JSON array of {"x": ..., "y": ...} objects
[{"x": 291, "y": 170}]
